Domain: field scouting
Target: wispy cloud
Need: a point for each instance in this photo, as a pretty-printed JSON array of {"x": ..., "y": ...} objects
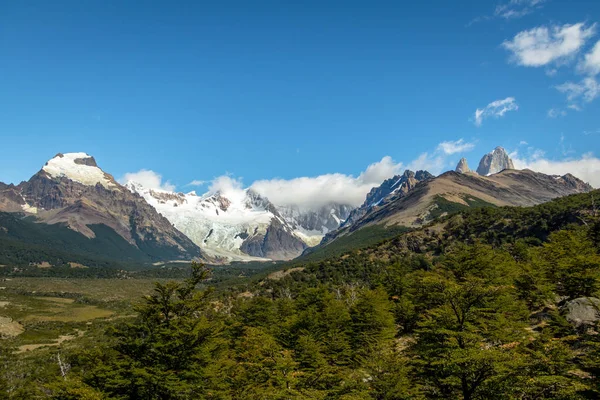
[
  {"x": 591, "y": 61},
  {"x": 587, "y": 90},
  {"x": 495, "y": 109},
  {"x": 457, "y": 146},
  {"x": 513, "y": 9},
  {"x": 544, "y": 45},
  {"x": 556, "y": 112},
  {"x": 517, "y": 8},
  {"x": 197, "y": 182}
]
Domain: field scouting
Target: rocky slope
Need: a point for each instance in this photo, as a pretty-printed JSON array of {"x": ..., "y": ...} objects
[
  {"x": 73, "y": 191},
  {"x": 393, "y": 188},
  {"x": 453, "y": 191}
]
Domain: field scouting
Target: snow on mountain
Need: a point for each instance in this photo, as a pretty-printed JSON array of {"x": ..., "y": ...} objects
[
  {"x": 312, "y": 225},
  {"x": 235, "y": 224},
  {"x": 80, "y": 168}
]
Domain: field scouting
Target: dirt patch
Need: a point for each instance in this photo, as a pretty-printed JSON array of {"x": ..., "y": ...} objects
[
  {"x": 77, "y": 265},
  {"x": 281, "y": 274},
  {"x": 10, "y": 328},
  {"x": 4, "y": 303},
  {"x": 44, "y": 264},
  {"x": 60, "y": 300},
  {"x": 57, "y": 342}
]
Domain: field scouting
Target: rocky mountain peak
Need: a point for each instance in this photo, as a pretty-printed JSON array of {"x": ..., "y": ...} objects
[
  {"x": 463, "y": 166},
  {"x": 494, "y": 162},
  {"x": 80, "y": 168}
]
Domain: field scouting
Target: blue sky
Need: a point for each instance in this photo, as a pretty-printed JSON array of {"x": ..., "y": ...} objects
[{"x": 278, "y": 90}]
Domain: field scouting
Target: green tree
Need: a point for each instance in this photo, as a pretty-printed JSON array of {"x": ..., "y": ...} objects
[
  {"x": 164, "y": 353},
  {"x": 467, "y": 343}
]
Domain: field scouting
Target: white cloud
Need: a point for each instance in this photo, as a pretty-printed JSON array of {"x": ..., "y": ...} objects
[
  {"x": 517, "y": 8},
  {"x": 227, "y": 185},
  {"x": 543, "y": 45},
  {"x": 196, "y": 182},
  {"x": 556, "y": 112},
  {"x": 495, "y": 109},
  {"x": 574, "y": 107},
  {"x": 457, "y": 146},
  {"x": 511, "y": 10},
  {"x": 315, "y": 192},
  {"x": 523, "y": 143},
  {"x": 591, "y": 61},
  {"x": 147, "y": 178},
  {"x": 588, "y": 89},
  {"x": 586, "y": 167}
]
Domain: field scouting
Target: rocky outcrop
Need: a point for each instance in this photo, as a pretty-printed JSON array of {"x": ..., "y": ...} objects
[
  {"x": 393, "y": 188},
  {"x": 462, "y": 166},
  {"x": 582, "y": 312},
  {"x": 325, "y": 219},
  {"x": 494, "y": 162},
  {"x": 278, "y": 243}
]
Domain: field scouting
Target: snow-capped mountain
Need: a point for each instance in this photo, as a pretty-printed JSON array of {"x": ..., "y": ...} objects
[
  {"x": 311, "y": 225},
  {"x": 236, "y": 224},
  {"x": 72, "y": 191},
  {"x": 240, "y": 224}
]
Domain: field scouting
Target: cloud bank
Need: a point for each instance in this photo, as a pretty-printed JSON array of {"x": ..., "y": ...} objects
[
  {"x": 586, "y": 167},
  {"x": 316, "y": 192}
]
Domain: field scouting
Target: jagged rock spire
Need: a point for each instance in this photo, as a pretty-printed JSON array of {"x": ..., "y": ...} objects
[
  {"x": 462, "y": 166},
  {"x": 494, "y": 162}
]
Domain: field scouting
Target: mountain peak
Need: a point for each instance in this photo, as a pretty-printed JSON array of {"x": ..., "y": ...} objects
[
  {"x": 462, "y": 166},
  {"x": 494, "y": 162},
  {"x": 80, "y": 168}
]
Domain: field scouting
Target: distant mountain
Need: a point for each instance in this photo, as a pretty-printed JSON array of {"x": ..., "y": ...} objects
[
  {"x": 462, "y": 166},
  {"x": 243, "y": 225},
  {"x": 452, "y": 191},
  {"x": 494, "y": 162},
  {"x": 389, "y": 190},
  {"x": 312, "y": 225},
  {"x": 72, "y": 191}
]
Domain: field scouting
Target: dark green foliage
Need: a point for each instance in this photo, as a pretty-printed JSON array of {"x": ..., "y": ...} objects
[
  {"x": 444, "y": 206},
  {"x": 359, "y": 239},
  {"x": 450, "y": 312},
  {"x": 23, "y": 240}
]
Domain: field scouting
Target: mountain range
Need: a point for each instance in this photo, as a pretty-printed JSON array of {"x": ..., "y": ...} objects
[{"x": 132, "y": 222}]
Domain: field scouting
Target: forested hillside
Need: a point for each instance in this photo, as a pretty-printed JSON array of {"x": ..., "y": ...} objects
[{"x": 493, "y": 303}]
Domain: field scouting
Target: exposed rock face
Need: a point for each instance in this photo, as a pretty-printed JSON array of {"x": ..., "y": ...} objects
[
  {"x": 393, "y": 188},
  {"x": 584, "y": 311},
  {"x": 462, "y": 166},
  {"x": 326, "y": 219},
  {"x": 73, "y": 191},
  {"x": 494, "y": 162}
]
